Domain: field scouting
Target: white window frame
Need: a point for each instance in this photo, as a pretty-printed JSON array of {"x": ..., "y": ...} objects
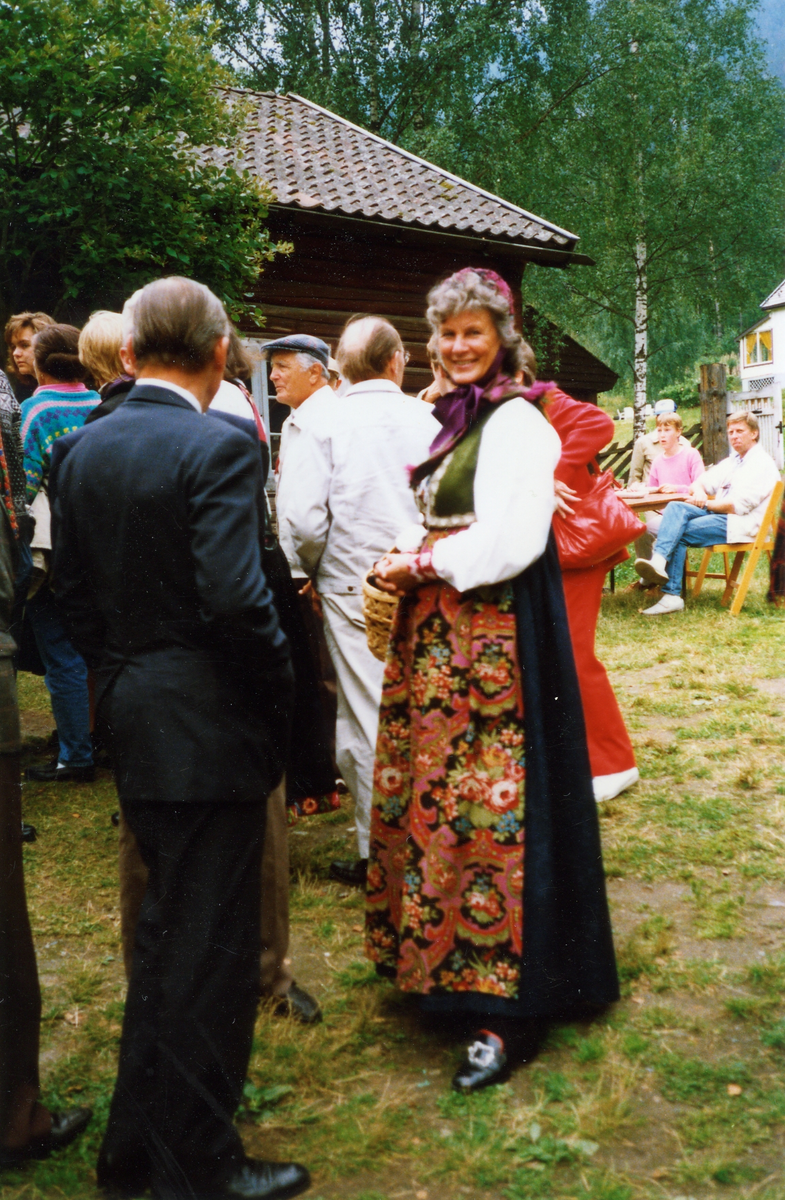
[
  {"x": 758, "y": 362},
  {"x": 259, "y": 388}
]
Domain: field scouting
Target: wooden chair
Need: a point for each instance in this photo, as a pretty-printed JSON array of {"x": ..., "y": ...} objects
[{"x": 763, "y": 542}]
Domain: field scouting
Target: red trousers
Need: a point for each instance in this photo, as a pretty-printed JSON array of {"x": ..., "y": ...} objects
[{"x": 610, "y": 748}]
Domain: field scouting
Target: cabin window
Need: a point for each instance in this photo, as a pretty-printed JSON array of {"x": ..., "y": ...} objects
[{"x": 758, "y": 347}]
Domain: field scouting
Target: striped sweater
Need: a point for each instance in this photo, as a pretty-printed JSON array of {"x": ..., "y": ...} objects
[{"x": 51, "y": 412}]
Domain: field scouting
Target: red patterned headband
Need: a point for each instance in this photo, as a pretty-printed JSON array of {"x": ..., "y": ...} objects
[{"x": 492, "y": 278}]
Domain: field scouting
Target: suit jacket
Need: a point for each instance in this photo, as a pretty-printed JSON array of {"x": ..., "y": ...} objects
[
  {"x": 157, "y": 567},
  {"x": 310, "y": 770}
]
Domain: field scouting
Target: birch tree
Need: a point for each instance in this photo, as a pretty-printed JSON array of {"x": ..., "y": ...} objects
[{"x": 670, "y": 167}]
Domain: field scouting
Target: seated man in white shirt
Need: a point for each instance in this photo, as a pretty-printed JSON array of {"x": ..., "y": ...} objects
[
  {"x": 346, "y": 490},
  {"x": 726, "y": 505}
]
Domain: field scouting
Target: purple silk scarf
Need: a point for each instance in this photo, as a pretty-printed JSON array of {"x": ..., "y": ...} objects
[{"x": 459, "y": 410}]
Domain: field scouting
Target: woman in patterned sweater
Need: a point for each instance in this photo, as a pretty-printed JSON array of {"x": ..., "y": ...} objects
[{"x": 59, "y": 405}]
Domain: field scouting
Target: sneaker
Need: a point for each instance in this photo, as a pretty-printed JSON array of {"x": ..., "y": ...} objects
[
  {"x": 665, "y": 604},
  {"x": 652, "y": 570},
  {"x": 607, "y": 786}
]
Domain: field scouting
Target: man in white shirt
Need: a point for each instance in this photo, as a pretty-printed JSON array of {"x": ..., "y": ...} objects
[
  {"x": 299, "y": 370},
  {"x": 346, "y": 496},
  {"x": 726, "y": 506}
]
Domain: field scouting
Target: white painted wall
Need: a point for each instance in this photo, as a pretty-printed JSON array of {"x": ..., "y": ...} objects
[{"x": 762, "y": 385}]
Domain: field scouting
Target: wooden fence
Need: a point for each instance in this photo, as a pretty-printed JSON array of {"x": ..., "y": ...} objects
[{"x": 617, "y": 458}]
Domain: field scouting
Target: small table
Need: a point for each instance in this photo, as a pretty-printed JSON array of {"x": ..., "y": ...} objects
[
  {"x": 649, "y": 501},
  {"x": 646, "y": 502}
]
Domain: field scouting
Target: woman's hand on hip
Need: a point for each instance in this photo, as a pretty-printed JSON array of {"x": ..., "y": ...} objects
[{"x": 564, "y": 495}]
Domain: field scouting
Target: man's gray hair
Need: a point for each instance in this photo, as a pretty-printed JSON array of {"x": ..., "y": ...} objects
[
  {"x": 175, "y": 322},
  {"x": 306, "y": 361},
  {"x": 367, "y": 344}
]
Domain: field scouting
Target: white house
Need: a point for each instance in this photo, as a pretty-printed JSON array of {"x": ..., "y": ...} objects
[{"x": 762, "y": 371}]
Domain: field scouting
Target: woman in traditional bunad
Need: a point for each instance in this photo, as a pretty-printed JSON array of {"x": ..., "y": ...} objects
[{"x": 486, "y": 891}]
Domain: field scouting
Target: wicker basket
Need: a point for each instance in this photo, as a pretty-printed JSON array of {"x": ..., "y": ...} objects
[{"x": 379, "y": 610}]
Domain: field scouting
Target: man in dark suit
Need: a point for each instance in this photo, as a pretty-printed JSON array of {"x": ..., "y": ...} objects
[{"x": 157, "y": 565}]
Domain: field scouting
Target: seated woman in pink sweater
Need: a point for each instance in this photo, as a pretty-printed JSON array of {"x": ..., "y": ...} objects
[{"x": 676, "y": 468}]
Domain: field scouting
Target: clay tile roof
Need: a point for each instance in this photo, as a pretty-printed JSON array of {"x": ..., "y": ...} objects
[{"x": 314, "y": 159}]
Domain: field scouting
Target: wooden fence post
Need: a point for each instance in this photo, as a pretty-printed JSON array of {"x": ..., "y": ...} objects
[{"x": 714, "y": 400}]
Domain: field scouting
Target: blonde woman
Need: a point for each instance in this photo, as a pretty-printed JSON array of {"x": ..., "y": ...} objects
[{"x": 100, "y": 344}]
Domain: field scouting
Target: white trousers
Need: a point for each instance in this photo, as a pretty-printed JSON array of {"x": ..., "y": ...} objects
[{"x": 359, "y": 678}]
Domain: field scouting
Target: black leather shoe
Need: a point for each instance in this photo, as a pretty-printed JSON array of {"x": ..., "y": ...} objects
[
  {"x": 257, "y": 1180},
  {"x": 253, "y": 1180},
  {"x": 298, "y": 1005},
  {"x": 354, "y": 873},
  {"x": 485, "y": 1063},
  {"x": 115, "y": 819},
  {"x": 28, "y": 832},
  {"x": 52, "y": 773},
  {"x": 66, "y": 1127}
]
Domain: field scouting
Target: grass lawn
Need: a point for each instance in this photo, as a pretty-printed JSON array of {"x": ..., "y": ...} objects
[{"x": 678, "y": 1091}]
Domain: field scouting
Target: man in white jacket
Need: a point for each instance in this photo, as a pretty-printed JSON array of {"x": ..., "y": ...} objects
[
  {"x": 726, "y": 505},
  {"x": 299, "y": 369},
  {"x": 347, "y": 496}
]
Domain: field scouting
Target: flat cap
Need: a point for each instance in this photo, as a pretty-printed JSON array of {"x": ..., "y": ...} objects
[{"x": 300, "y": 343}]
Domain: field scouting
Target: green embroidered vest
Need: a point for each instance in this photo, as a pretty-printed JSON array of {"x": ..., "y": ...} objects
[{"x": 447, "y": 496}]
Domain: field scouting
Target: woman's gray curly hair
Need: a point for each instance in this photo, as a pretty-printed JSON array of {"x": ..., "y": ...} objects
[{"x": 468, "y": 290}]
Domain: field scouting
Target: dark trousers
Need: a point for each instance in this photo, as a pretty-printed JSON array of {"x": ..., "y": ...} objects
[
  {"x": 192, "y": 998},
  {"x": 20, "y": 997}
]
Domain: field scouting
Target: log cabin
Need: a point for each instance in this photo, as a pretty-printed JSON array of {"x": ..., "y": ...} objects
[{"x": 374, "y": 226}]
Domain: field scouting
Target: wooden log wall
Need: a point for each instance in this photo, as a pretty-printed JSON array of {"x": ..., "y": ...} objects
[
  {"x": 336, "y": 274},
  {"x": 339, "y": 271}
]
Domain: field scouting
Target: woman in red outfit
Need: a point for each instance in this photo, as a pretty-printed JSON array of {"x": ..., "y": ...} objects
[{"x": 584, "y": 429}]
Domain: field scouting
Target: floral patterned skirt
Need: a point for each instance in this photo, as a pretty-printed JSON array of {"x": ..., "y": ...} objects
[{"x": 445, "y": 876}]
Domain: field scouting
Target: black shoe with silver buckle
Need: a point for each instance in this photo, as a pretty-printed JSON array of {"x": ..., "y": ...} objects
[{"x": 485, "y": 1063}]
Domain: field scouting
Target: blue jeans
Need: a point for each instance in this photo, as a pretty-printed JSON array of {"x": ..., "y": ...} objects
[
  {"x": 66, "y": 679},
  {"x": 686, "y": 525}
]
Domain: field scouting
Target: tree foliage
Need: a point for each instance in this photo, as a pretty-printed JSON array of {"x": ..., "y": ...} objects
[
  {"x": 397, "y": 67},
  {"x": 103, "y": 107},
  {"x": 670, "y": 167},
  {"x": 649, "y": 127}
]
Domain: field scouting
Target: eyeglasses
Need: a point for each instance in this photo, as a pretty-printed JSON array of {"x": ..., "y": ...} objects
[{"x": 406, "y": 357}]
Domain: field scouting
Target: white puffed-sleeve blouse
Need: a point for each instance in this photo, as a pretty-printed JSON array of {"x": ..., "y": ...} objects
[{"x": 513, "y": 500}]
